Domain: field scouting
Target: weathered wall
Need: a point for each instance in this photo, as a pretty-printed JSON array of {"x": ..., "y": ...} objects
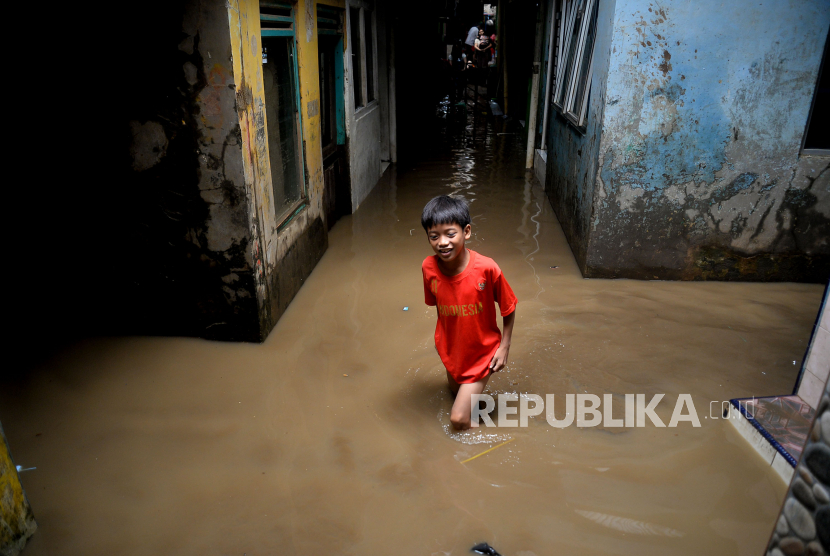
[
  {"x": 363, "y": 127},
  {"x": 208, "y": 255},
  {"x": 17, "y": 523},
  {"x": 572, "y": 156},
  {"x": 283, "y": 254},
  {"x": 700, "y": 171},
  {"x": 364, "y": 152},
  {"x": 186, "y": 262},
  {"x": 816, "y": 366}
]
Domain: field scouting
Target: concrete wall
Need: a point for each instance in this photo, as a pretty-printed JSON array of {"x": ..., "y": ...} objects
[
  {"x": 367, "y": 128},
  {"x": 700, "y": 176},
  {"x": 283, "y": 254},
  {"x": 572, "y": 157},
  {"x": 17, "y": 523},
  {"x": 817, "y": 362},
  {"x": 186, "y": 263},
  {"x": 212, "y": 257}
]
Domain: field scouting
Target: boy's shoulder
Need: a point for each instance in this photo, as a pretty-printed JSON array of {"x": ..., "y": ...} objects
[
  {"x": 429, "y": 263},
  {"x": 485, "y": 264}
]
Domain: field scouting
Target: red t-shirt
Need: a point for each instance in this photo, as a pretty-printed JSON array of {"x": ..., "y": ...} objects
[{"x": 467, "y": 335}]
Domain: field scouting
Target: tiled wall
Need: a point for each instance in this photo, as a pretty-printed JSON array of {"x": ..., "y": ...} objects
[
  {"x": 817, "y": 366},
  {"x": 803, "y": 527}
]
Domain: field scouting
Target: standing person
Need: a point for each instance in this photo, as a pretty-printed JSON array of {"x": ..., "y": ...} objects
[
  {"x": 482, "y": 48},
  {"x": 472, "y": 35},
  {"x": 490, "y": 31},
  {"x": 465, "y": 287}
]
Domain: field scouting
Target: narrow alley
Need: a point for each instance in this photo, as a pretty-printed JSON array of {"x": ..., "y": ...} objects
[
  {"x": 333, "y": 437},
  {"x": 245, "y": 320}
]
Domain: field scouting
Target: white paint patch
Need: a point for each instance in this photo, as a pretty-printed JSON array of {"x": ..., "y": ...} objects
[
  {"x": 627, "y": 197},
  {"x": 676, "y": 194},
  {"x": 309, "y": 21}
]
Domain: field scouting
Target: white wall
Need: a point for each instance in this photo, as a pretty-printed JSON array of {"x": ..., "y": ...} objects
[
  {"x": 367, "y": 128},
  {"x": 817, "y": 365}
]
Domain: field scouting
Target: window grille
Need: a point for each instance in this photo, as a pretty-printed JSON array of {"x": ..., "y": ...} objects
[{"x": 575, "y": 35}]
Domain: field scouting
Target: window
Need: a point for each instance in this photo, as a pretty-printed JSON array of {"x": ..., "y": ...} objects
[
  {"x": 575, "y": 34},
  {"x": 282, "y": 117},
  {"x": 357, "y": 57},
  {"x": 362, "y": 38},
  {"x": 817, "y": 136},
  {"x": 368, "y": 34}
]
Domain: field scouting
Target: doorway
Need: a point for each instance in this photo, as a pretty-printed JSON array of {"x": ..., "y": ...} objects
[{"x": 337, "y": 188}]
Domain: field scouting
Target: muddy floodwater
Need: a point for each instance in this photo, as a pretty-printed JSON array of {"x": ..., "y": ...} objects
[{"x": 183, "y": 446}]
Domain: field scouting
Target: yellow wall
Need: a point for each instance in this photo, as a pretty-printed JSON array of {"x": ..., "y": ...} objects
[
  {"x": 270, "y": 246},
  {"x": 246, "y": 49},
  {"x": 16, "y": 520},
  {"x": 305, "y": 29}
]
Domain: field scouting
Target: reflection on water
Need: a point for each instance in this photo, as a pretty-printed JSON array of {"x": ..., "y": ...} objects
[{"x": 181, "y": 446}]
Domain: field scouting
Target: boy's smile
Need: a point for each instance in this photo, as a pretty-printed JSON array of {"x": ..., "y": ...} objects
[{"x": 447, "y": 240}]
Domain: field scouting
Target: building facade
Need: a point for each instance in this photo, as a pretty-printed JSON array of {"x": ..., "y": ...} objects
[
  {"x": 676, "y": 144},
  {"x": 267, "y": 122}
]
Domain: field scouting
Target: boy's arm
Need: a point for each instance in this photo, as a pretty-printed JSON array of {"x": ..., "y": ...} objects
[{"x": 500, "y": 358}]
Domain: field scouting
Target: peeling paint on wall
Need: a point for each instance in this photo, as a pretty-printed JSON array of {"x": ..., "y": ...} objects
[
  {"x": 282, "y": 257},
  {"x": 699, "y": 170}
]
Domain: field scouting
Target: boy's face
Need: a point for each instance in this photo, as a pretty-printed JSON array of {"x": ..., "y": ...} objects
[{"x": 447, "y": 240}]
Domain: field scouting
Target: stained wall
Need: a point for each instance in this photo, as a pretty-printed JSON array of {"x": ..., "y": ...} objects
[
  {"x": 283, "y": 253},
  {"x": 703, "y": 110},
  {"x": 368, "y": 127},
  {"x": 210, "y": 255},
  {"x": 186, "y": 265},
  {"x": 572, "y": 155}
]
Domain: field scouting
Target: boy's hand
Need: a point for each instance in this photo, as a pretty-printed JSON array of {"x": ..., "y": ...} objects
[{"x": 499, "y": 359}]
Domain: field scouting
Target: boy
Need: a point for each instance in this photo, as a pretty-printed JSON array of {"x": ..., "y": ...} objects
[{"x": 464, "y": 286}]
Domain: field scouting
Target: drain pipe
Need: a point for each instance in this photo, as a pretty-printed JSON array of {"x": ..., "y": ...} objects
[
  {"x": 549, "y": 76},
  {"x": 534, "y": 90}
]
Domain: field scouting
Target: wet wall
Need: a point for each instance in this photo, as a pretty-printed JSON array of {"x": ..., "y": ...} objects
[
  {"x": 367, "y": 127},
  {"x": 572, "y": 154},
  {"x": 214, "y": 259},
  {"x": 703, "y": 110},
  {"x": 189, "y": 226},
  {"x": 284, "y": 248}
]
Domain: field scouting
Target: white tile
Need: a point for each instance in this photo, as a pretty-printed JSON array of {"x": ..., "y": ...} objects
[
  {"x": 818, "y": 360},
  {"x": 751, "y": 435},
  {"x": 783, "y": 468},
  {"x": 825, "y": 316},
  {"x": 810, "y": 389}
]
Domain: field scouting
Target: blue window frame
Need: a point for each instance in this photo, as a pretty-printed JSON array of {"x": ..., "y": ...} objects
[{"x": 282, "y": 109}]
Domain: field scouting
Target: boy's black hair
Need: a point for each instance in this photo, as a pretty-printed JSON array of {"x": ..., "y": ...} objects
[{"x": 446, "y": 210}]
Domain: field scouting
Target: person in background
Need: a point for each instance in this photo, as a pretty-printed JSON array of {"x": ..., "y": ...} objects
[
  {"x": 482, "y": 48},
  {"x": 490, "y": 31},
  {"x": 472, "y": 35}
]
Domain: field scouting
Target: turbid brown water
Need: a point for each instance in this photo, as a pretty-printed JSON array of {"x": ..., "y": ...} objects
[{"x": 182, "y": 446}]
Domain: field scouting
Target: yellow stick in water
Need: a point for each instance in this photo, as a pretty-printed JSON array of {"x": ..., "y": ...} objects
[{"x": 489, "y": 450}]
